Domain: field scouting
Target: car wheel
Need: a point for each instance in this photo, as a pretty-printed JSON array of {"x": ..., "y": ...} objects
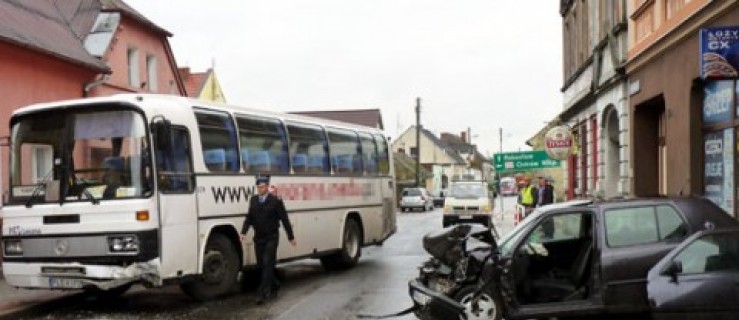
[{"x": 488, "y": 304}]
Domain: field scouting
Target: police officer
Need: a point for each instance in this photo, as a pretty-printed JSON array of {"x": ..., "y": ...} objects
[
  {"x": 265, "y": 213},
  {"x": 528, "y": 196}
]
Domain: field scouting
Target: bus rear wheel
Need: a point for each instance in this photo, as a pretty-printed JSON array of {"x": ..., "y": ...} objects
[
  {"x": 220, "y": 270},
  {"x": 351, "y": 248}
]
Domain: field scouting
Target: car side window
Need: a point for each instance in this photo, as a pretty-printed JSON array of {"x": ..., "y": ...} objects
[
  {"x": 631, "y": 226},
  {"x": 558, "y": 228},
  {"x": 694, "y": 257},
  {"x": 716, "y": 252},
  {"x": 671, "y": 225}
]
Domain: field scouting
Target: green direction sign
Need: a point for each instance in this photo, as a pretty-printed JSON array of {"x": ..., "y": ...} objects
[{"x": 521, "y": 161}]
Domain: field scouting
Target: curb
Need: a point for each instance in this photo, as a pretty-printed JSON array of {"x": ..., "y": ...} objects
[{"x": 21, "y": 309}]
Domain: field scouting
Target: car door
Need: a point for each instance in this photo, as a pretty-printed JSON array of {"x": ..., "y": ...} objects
[{"x": 699, "y": 279}]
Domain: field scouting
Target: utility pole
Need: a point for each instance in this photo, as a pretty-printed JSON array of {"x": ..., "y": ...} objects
[
  {"x": 500, "y": 132},
  {"x": 418, "y": 142}
]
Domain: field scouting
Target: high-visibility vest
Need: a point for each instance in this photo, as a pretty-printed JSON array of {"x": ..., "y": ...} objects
[{"x": 527, "y": 198}]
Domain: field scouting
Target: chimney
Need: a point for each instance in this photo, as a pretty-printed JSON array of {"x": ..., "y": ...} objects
[
  {"x": 447, "y": 137},
  {"x": 184, "y": 72},
  {"x": 463, "y": 136}
]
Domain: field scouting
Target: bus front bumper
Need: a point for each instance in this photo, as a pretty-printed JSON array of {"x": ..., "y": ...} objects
[{"x": 74, "y": 276}]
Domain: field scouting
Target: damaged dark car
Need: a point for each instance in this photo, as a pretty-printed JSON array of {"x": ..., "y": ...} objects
[{"x": 569, "y": 259}]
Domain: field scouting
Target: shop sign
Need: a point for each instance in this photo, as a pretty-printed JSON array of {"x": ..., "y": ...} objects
[
  {"x": 558, "y": 142},
  {"x": 719, "y": 168},
  {"x": 717, "y": 101},
  {"x": 719, "y": 52}
]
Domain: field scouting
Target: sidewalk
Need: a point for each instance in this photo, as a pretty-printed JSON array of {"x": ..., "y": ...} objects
[
  {"x": 16, "y": 303},
  {"x": 503, "y": 221}
]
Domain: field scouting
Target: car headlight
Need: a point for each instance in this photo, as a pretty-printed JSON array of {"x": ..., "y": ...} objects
[
  {"x": 123, "y": 244},
  {"x": 13, "y": 247}
]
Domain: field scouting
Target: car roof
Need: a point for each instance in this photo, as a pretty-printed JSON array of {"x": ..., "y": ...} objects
[{"x": 698, "y": 211}]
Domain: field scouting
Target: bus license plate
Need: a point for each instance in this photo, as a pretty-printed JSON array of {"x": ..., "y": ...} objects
[
  {"x": 465, "y": 217},
  {"x": 65, "y": 283}
]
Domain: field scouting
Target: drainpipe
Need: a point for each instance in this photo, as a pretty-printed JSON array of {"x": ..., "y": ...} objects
[{"x": 88, "y": 86}]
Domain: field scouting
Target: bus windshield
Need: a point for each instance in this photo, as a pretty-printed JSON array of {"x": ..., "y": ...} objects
[{"x": 100, "y": 154}]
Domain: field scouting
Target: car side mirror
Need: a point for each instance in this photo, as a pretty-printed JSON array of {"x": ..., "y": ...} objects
[{"x": 673, "y": 269}]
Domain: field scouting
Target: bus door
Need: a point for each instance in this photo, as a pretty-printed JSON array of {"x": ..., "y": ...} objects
[{"x": 177, "y": 206}]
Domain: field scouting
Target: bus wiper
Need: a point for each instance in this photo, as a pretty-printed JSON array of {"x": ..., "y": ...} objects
[{"x": 37, "y": 189}]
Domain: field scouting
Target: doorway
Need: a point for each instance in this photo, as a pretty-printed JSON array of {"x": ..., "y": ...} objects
[{"x": 649, "y": 148}]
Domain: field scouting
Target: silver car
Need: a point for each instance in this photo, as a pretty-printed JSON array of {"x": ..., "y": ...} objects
[{"x": 416, "y": 198}]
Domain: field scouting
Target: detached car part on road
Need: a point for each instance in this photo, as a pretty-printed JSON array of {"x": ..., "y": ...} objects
[{"x": 572, "y": 259}]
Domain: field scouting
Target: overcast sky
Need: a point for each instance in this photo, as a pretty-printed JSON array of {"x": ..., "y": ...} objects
[{"x": 482, "y": 64}]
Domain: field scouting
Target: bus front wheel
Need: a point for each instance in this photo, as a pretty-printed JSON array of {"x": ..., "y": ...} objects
[
  {"x": 351, "y": 248},
  {"x": 220, "y": 270}
]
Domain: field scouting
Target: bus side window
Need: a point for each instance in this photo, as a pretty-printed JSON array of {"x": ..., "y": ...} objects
[
  {"x": 345, "y": 150},
  {"x": 263, "y": 144},
  {"x": 383, "y": 159},
  {"x": 175, "y": 167},
  {"x": 369, "y": 154},
  {"x": 218, "y": 140},
  {"x": 308, "y": 148}
]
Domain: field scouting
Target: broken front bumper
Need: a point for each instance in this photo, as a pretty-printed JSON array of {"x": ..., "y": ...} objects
[{"x": 432, "y": 304}]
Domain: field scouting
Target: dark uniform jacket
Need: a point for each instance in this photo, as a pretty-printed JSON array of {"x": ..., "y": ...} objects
[{"x": 265, "y": 218}]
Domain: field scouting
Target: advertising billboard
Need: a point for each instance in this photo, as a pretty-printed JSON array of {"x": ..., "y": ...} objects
[{"x": 719, "y": 52}]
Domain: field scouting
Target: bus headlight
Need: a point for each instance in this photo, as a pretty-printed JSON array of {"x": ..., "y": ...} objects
[
  {"x": 447, "y": 209},
  {"x": 486, "y": 208},
  {"x": 13, "y": 247},
  {"x": 123, "y": 244}
]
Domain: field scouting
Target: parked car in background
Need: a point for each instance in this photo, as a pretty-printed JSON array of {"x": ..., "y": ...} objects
[
  {"x": 416, "y": 198},
  {"x": 469, "y": 202},
  {"x": 699, "y": 279},
  {"x": 439, "y": 199}
]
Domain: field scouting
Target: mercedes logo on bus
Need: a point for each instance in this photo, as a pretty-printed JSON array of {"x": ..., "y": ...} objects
[{"x": 61, "y": 248}]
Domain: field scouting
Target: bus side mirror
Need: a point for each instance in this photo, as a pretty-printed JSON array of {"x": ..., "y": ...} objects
[{"x": 163, "y": 132}]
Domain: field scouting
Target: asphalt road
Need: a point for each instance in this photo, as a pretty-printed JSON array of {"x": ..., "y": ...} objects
[{"x": 378, "y": 285}]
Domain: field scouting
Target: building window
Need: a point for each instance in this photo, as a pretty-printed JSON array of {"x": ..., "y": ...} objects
[
  {"x": 151, "y": 72},
  {"x": 583, "y": 158},
  {"x": 672, "y": 7},
  {"x": 133, "y": 68},
  {"x": 719, "y": 113},
  {"x": 594, "y": 152}
]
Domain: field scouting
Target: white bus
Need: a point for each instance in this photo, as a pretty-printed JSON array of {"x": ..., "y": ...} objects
[{"x": 153, "y": 189}]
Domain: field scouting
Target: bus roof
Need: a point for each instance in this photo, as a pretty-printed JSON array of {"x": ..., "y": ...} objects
[{"x": 170, "y": 105}]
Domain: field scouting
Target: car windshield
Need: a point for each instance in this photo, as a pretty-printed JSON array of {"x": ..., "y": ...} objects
[
  {"x": 101, "y": 155},
  {"x": 506, "y": 243},
  {"x": 467, "y": 191},
  {"x": 411, "y": 192}
]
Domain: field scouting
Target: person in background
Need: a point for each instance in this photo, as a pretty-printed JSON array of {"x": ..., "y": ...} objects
[
  {"x": 528, "y": 196},
  {"x": 266, "y": 211},
  {"x": 546, "y": 196},
  {"x": 546, "y": 192}
]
